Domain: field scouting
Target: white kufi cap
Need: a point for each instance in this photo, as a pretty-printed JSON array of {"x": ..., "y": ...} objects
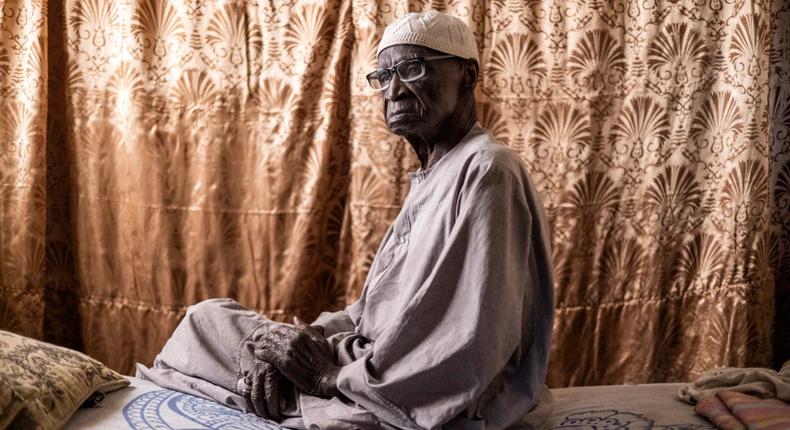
[{"x": 431, "y": 29}]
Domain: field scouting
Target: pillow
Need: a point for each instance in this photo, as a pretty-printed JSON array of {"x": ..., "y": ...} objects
[{"x": 42, "y": 385}]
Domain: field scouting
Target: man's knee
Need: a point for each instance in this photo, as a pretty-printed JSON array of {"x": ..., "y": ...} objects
[
  {"x": 212, "y": 305},
  {"x": 224, "y": 316}
]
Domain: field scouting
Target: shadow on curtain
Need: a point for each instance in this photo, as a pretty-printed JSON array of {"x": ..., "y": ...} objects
[{"x": 156, "y": 153}]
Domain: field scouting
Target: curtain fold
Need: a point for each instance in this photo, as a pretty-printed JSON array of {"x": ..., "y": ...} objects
[
  {"x": 23, "y": 134},
  {"x": 159, "y": 152}
]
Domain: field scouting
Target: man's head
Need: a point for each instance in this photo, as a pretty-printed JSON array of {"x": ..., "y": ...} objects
[{"x": 428, "y": 68}]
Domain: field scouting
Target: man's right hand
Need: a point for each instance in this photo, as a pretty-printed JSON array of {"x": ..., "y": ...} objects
[
  {"x": 302, "y": 354},
  {"x": 267, "y": 385}
]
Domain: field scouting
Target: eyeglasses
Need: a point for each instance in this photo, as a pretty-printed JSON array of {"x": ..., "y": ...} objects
[{"x": 407, "y": 71}]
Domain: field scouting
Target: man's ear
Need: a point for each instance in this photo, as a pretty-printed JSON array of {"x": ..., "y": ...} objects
[{"x": 471, "y": 72}]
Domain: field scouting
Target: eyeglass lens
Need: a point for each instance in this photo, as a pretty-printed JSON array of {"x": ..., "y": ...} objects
[{"x": 407, "y": 71}]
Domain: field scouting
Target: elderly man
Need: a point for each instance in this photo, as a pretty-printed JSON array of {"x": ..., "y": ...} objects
[{"x": 453, "y": 325}]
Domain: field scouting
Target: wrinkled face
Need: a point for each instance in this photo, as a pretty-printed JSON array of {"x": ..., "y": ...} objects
[{"x": 419, "y": 108}]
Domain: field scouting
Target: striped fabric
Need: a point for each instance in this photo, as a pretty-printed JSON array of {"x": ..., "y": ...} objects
[
  {"x": 732, "y": 410},
  {"x": 712, "y": 408}
]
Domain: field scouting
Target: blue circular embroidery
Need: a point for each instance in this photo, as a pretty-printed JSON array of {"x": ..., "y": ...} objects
[{"x": 171, "y": 410}]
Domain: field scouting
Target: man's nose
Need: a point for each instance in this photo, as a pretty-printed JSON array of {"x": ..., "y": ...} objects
[{"x": 396, "y": 89}]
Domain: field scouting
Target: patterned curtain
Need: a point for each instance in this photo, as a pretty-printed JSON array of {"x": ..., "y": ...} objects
[{"x": 154, "y": 153}]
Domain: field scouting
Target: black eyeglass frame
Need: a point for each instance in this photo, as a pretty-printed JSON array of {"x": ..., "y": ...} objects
[{"x": 393, "y": 71}]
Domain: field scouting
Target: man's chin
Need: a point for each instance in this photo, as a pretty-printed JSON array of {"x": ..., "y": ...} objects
[{"x": 403, "y": 125}]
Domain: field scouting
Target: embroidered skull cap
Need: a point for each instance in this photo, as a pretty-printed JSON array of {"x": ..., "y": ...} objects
[{"x": 431, "y": 29}]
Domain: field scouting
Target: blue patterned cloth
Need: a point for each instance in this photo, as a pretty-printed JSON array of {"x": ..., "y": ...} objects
[{"x": 166, "y": 410}]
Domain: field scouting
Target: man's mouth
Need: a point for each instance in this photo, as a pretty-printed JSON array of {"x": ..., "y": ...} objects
[{"x": 402, "y": 114}]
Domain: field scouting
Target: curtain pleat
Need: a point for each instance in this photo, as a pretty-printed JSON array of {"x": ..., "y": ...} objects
[{"x": 23, "y": 167}]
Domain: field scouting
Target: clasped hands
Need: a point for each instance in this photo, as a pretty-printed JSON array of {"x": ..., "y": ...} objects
[{"x": 301, "y": 354}]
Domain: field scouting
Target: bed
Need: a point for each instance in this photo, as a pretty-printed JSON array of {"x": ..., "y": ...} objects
[{"x": 144, "y": 405}]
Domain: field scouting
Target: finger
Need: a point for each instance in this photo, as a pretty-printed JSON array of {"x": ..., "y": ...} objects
[
  {"x": 303, "y": 383},
  {"x": 271, "y": 356},
  {"x": 293, "y": 365},
  {"x": 318, "y": 348},
  {"x": 320, "y": 329},
  {"x": 272, "y": 379},
  {"x": 290, "y": 360},
  {"x": 305, "y": 347},
  {"x": 315, "y": 334},
  {"x": 258, "y": 393},
  {"x": 299, "y": 323},
  {"x": 304, "y": 362},
  {"x": 309, "y": 340}
]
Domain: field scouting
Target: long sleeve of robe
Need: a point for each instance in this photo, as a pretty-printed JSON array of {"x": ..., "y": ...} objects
[
  {"x": 454, "y": 322},
  {"x": 333, "y": 323}
]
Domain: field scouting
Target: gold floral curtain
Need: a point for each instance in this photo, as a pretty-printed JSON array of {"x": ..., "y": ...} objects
[{"x": 159, "y": 152}]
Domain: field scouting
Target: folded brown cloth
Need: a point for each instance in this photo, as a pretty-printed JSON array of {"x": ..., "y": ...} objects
[{"x": 759, "y": 382}]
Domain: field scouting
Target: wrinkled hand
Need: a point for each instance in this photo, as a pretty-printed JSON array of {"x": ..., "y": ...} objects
[
  {"x": 267, "y": 387},
  {"x": 303, "y": 356}
]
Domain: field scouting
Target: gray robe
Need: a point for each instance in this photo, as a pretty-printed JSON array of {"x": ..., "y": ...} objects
[{"x": 454, "y": 322}]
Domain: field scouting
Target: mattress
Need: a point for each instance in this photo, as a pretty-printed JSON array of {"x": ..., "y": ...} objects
[
  {"x": 623, "y": 407},
  {"x": 144, "y": 405}
]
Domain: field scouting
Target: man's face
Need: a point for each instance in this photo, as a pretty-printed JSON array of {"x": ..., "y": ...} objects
[{"x": 419, "y": 108}]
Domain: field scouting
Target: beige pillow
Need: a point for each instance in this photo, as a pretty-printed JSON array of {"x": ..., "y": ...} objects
[{"x": 42, "y": 385}]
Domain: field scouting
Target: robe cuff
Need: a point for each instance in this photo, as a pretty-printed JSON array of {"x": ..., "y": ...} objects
[{"x": 353, "y": 382}]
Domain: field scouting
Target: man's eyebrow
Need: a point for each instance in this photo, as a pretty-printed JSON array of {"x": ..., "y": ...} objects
[
  {"x": 407, "y": 58},
  {"x": 412, "y": 57}
]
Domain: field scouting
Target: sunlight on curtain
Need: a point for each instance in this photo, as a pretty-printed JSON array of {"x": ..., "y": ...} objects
[{"x": 23, "y": 132}]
